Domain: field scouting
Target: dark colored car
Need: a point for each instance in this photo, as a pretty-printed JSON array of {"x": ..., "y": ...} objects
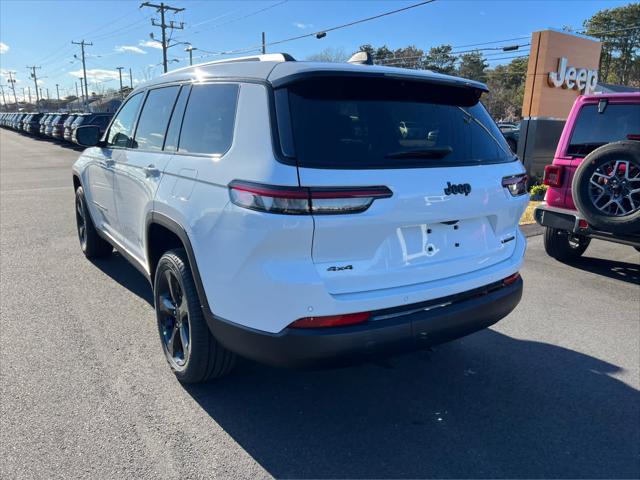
[
  {"x": 511, "y": 133},
  {"x": 70, "y": 127},
  {"x": 67, "y": 124},
  {"x": 57, "y": 125},
  {"x": 45, "y": 121},
  {"x": 33, "y": 125},
  {"x": 98, "y": 119}
]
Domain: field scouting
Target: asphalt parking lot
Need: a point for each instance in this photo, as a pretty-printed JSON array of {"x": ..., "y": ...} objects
[{"x": 550, "y": 391}]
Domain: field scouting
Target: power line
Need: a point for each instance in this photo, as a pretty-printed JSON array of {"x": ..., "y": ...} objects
[
  {"x": 322, "y": 33},
  {"x": 251, "y": 14}
]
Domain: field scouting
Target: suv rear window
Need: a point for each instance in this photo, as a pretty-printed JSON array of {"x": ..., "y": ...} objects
[
  {"x": 360, "y": 123},
  {"x": 593, "y": 129},
  {"x": 207, "y": 125}
]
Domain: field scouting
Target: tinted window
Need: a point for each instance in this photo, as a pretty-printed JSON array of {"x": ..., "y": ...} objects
[
  {"x": 171, "y": 142},
  {"x": 79, "y": 120},
  {"x": 208, "y": 120},
  {"x": 593, "y": 129},
  {"x": 388, "y": 123},
  {"x": 154, "y": 118},
  {"x": 121, "y": 129}
]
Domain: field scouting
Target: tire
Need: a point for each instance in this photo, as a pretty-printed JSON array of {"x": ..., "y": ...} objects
[
  {"x": 193, "y": 354},
  {"x": 562, "y": 246},
  {"x": 91, "y": 243},
  {"x": 605, "y": 193}
]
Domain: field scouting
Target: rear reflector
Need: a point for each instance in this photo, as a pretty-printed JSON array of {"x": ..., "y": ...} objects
[
  {"x": 331, "y": 321},
  {"x": 516, "y": 184},
  {"x": 552, "y": 175},
  {"x": 511, "y": 279},
  {"x": 304, "y": 200}
]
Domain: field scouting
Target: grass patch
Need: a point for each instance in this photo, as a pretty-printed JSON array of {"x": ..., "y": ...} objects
[{"x": 527, "y": 216}]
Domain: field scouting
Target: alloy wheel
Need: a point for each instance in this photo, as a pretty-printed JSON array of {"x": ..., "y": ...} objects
[
  {"x": 173, "y": 318},
  {"x": 81, "y": 222},
  {"x": 614, "y": 188}
]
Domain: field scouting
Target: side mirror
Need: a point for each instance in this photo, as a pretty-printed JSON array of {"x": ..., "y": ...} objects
[{"x": 88, "y": 136}]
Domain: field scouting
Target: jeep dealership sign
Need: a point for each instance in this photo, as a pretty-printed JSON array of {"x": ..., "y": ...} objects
[{"x": 580, "y": 79}]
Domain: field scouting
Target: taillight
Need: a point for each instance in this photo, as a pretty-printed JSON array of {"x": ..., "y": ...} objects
[
  {"x": 552, "y": 175},
  {"x": 331, "y": 321},
  {"x": 511, "y": 279},
  {"x": 516, "y": 184},
  {"x": 304, "y": 200}
]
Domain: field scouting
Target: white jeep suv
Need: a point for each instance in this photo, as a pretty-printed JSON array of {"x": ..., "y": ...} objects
[{"x": 282, "y": 212}]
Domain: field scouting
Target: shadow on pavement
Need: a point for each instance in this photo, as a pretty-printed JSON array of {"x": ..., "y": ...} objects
[
  {"x": 627, "y": 272},
  {"x": 485, "y": 406},
  {"x": 119, "y": 269}
]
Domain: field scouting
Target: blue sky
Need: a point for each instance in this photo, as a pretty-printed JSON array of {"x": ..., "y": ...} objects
[{"x": 40, "y": 32}]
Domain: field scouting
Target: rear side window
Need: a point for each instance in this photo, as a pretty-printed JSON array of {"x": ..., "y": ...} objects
[
  {"x": 209, "y": 118},
  {"x": 173, "y": 133},
  {"x": 360, "y": 123},
  {"x": 154, "y": 118},
  {"x": 121, "y": 129},
  {"x": 594, "y": 129}
]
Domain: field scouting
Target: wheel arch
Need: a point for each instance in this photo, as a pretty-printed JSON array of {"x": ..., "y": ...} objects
[{"x": 163, "y": 234}]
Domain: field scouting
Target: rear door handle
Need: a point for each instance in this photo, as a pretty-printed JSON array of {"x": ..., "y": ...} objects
[
  {"x": 109, "y": 163},
  {"x": 151, "y": 171}
]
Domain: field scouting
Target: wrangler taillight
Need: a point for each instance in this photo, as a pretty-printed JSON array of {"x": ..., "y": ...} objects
[
  {"x": 304, "y": 200},
  {"x": 552, "y": 175}
]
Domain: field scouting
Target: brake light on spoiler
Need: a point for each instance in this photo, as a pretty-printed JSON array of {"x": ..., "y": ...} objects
[{"x": 304, "y": 200}]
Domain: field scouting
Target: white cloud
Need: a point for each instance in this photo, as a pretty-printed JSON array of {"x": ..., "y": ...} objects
[
  {"x": 129, "y": 48},
  {"x": 97, "y": 74},
  {"x": 150, "y": 44},
  {"x": 302, "y": 26},
  {"x": 4, "y": 48}
]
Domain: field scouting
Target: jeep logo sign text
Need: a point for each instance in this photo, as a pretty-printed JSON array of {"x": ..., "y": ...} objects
[
  {"x": 456, "y": 189},
  {"x": 580, "y": 79}
]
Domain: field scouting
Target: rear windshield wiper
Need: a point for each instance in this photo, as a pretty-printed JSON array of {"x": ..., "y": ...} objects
[{"x": 440, "y": 152}]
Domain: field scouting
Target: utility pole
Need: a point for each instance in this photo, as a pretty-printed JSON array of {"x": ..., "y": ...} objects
[
  {"x": 35, "y": 80},
  {"x": 162, "y": 8},
  {"x": 24, "y": 96},
  {"x": 84, "y": 66},
  {"x": 58, "y": 93},
  {"x": 48, "y": 97},
  {"x": 13, "y": 87},
  {"x": 29, "y": 90},
  {"x": 130, "y": 79},
  {"x": 4, "y": 100},
  {"x": 120, "y": 72},
  {"x": 190, "y": 49},
  {"x": 264, "y": 43}
]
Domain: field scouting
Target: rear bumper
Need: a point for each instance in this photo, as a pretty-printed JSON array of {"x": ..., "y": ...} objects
[
  {"x": 393, "y": 330},
  {"x": 569, "y": 220}
]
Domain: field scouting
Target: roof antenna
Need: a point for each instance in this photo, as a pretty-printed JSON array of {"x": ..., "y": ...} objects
[{"x": 361, "y": 58}]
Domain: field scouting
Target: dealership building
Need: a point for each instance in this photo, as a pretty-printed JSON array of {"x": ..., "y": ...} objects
[{"x": 562, "y": 66}]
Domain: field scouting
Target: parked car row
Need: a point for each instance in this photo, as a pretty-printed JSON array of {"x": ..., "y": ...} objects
[{"x": 58, "y": 125}]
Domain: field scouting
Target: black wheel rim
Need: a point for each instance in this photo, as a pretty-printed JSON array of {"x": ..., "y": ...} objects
[
  {"x": 173, "y": 319},
  {"x": 81, "y": 222}
]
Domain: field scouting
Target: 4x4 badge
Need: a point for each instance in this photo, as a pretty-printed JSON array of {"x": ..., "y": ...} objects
[{"x": 459, "y": 188}]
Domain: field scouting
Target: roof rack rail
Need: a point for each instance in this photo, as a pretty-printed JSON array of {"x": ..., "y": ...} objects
[{"x": 267, "y": 57}]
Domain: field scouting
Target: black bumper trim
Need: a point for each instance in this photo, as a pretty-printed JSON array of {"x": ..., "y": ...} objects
[
  {"x": 569, "y": 220},
  {"x": 421, "y": 327}
]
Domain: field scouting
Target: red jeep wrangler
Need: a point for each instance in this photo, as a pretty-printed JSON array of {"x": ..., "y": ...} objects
[{"x": 594, "y": 181}]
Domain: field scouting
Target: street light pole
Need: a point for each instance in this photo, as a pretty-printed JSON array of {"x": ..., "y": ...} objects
[
  {"x": 120, "y": 72},
  {"x": 58, "y": 93}
]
